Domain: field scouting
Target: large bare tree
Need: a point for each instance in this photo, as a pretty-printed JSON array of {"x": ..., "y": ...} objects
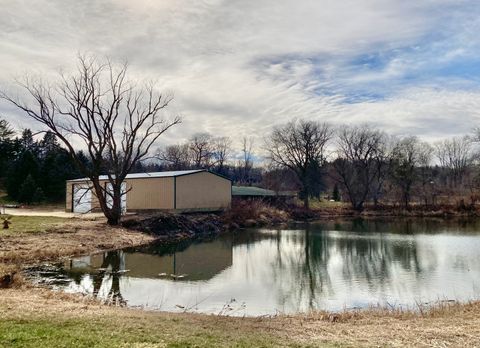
[
  {"x": 410, "y": 158},
  {"x": 358, "y": 166},
  {"x": 116, "y": 120},
  {"x": 301, "y": 147},
  {"x": 456, "y": 155},
  {"x": 176, "y": 157},
  {"x": 201, "y": 150}
]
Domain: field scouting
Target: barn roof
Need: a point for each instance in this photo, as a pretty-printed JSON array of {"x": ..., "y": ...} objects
[{"x": 152, "y": 175}]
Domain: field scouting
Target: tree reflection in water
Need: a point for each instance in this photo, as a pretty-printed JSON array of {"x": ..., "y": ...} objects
[
  {"x": 322, "y": 265},
  {"x": 356, "y": 252},
  {"x": 110, "y": 270}
]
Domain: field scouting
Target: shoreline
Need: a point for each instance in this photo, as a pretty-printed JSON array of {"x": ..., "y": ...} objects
[
  {"x": 25, "y": 311},
  {"x": 25, "y": 308}
]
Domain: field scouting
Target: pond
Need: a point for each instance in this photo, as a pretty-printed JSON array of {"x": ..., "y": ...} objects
[{"x": 320, "y": 266}]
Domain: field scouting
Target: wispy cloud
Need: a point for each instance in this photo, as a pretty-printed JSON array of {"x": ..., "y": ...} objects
[{"x": 239, "y": 67}]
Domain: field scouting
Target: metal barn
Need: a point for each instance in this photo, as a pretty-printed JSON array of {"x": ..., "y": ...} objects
[{"x": 188, "y": 190}]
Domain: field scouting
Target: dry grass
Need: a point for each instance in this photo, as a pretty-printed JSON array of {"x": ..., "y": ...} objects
[
  {"x": 32, "y": 317},
  {"x": 254, "y": 212},
  {"x": 447, "y": 325},
  {"x": 36, "y": 239},
  {"x": 30, "y": 224}
]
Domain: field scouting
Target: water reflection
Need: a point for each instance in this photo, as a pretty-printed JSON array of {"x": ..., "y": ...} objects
[{"x": 329, "y": 265}]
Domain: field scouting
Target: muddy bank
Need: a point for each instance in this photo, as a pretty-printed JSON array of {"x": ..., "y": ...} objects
[
  {"x": 170, "y": 227},
  {"x": 165, "y": 227}
]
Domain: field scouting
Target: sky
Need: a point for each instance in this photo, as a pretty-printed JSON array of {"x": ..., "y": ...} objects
[{"x": 240, "y": 67}]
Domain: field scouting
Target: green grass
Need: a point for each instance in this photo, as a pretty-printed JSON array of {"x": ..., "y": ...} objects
[
  {"x": 29, "y": 224},
  {"x": 103, "y": 332},
  {"x": 318, "y": 204}
]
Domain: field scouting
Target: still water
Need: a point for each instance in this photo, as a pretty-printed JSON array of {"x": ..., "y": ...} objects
[{"x": 325, "y": 266}]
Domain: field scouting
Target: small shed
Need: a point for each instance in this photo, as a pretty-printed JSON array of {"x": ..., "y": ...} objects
[
  {"x": 253, "y": 192},
  {"x": 187, "y": 190}
]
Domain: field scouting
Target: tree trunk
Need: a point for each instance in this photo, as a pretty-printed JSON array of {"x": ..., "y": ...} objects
[
  {"x": 306, "y": 203},
  {"x": 306, "y": 194},
  {"x": 113, "y": 213},
  {"x": 358, "y": 207}
]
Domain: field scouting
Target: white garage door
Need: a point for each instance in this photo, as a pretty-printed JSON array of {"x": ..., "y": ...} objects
[
  {"x": 82, "y": 199},
  {"x": 124, "y": 197}
]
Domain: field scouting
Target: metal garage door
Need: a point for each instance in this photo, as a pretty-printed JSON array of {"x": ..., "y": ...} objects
[
  {"x": 124, "y": 197},
  {"x": 82, "y": 199}
]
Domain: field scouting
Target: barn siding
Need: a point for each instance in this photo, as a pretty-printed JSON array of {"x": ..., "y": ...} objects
[
  {"x": 150, "y": 193},
  {"x": 68, "y": 197},
  {"x": 203, "y": 191}
]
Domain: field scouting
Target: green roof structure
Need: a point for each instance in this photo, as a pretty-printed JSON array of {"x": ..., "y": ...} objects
[{"x": 252, "y": 191}]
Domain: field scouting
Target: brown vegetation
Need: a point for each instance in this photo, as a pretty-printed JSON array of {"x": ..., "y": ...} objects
[
  {"x": 73, "y": 237},
  {"x": 447, "y": 325},
  {"x": 249, "y": 213}
]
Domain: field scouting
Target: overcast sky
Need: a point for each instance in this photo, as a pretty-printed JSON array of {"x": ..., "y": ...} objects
[{"x": 238, "y": 67}]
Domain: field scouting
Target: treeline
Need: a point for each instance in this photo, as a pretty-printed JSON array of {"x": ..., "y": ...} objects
[
  {"x": 358, "y": 164},
  {"x": 204, "y": 151},
  {"x": 363, "y": 165},
  {"x": 33, "y": 171}
]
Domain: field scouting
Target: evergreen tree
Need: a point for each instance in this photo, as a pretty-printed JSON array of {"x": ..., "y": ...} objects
[
  {"x": 27, "y": 190},
  {"x": 24, "y": 166},
  {"x": 48, "y": 145},
  {"x": 38, "y": 196},
  {"x": 27, "y": 142},
  {"x": 6, "y": 131},
  {"x": 8, "y": 147}
]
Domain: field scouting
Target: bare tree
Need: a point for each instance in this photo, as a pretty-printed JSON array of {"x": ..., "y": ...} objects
[
  {"x": 175, "y": 156},
  {"x": 360, "y": 149},
  {"x": 116, "y": 121},
  {"x": 384, "y": 154},
  {"x": 425, "y": 173},
  {"x": 456, "y": 156},
  {"x": 201, "y": 150},
  {"x": 221, "y": 151},
  {"x": 300, "y": 146},
  {"x": 246, "y": 162},
  {"x": 408, "y": 155}
]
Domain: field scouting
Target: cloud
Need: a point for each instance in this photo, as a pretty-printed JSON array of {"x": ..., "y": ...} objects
[{"x": 239, "y": 67}]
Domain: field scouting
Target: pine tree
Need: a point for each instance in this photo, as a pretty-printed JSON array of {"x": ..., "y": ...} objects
[
  {"x": 24, "y": 166},
  {"x": 27, "y": 190},
  {"x": 7, "y": 146},
  {"x": 38, "y": 196}
]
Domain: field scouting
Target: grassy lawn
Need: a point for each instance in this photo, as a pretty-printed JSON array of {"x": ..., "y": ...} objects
[
  {"x": 30, "y": 224},
  {"x": 31, "y": 319},
  {"x": 104, "y": 333},
  {"x": 324, "y": 204}
]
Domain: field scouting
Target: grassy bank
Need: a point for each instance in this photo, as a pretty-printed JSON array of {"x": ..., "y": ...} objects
[
  {"x": 32, "y": 239},
  {"x": 41, "y": 318},
  {"x": 34, "y": 317}
]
